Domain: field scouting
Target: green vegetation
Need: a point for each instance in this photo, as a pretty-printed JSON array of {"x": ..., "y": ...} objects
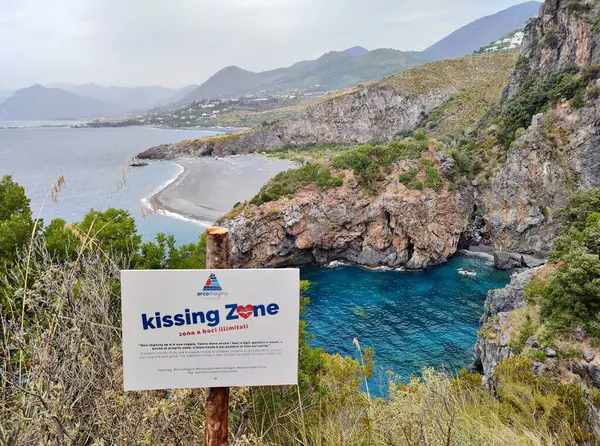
[
  {"x": 16, "y": 224},
  {"x": 534, "y": 96},
  {"x": 578, "y": 8},
  {"x": 596, "y": 23},
  {"x": 571, "y": 294},
  {"x": 371, "y": 163},
  {"x": 433, "y": 180},
  {"x": 287, "y": 183},
  {"x": 408, "y": 176}
]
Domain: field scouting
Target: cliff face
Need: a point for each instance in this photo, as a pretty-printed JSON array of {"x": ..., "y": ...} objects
[
  {"x": 377, "y": 111},
  {"x": 396, "y": 228},
  {"x": 560, "y": 152},
  {"x": 562, "y": 33},
  {"x": 557, "y": 154}
]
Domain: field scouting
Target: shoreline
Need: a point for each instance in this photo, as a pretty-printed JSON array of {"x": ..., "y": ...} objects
[
  {"x": 151, "y": 200},
  {"x": 206, "y": 188}
]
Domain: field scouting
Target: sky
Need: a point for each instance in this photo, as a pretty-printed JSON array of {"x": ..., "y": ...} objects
[{"x": 180, "y": 42}]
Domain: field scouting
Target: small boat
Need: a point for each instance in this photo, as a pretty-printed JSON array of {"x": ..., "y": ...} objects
[{"x": 466, "y": 272}]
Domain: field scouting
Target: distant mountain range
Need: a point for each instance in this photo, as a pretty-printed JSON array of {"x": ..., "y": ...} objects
[
  {"x": 38, "y": 102},
  {"x": 481, "y": 32},
  {"x": 126, "y": 99},
  {"x": 341, "y": 69},
  {"x": 332, "y": 71}
]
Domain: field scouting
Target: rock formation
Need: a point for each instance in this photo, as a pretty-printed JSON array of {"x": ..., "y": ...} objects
[{"x": 396, "y": 228}]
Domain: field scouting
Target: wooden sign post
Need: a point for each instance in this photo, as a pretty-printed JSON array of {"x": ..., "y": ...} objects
[
  {"x": 216, "y": 413},
  {"x": 212, "y": 328}
]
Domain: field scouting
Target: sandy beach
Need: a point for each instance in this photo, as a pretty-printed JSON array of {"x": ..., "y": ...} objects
[{"x": 208, "y": 188}]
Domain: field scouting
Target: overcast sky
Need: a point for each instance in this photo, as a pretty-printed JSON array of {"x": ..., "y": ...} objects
[{"x": 179, "y": 42}]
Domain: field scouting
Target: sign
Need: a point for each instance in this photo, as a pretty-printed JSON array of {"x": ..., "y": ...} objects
[{"x": 201, "y": 328}]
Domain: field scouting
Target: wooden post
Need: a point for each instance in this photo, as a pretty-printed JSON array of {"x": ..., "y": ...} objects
[{"x": 216, "y": 424}]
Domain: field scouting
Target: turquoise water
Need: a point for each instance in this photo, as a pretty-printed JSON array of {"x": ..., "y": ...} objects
[{"x": 412, "y": 319}]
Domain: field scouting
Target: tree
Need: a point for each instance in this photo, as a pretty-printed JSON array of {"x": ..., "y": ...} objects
[
  {"x": 164, "y": 254},
  {"x": 114, "y": 231},
  {"x": 16, "y": 224},
  {"x": 61, "y": 241}
]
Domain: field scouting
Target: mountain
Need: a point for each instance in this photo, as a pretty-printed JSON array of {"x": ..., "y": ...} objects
[
  {"x": 5, "y": 94},
  {"x": 38, "y": 102},
  {"x": 332, "y": 71},
  {"x": 479, "y": 33},
  {"x": 128, "y": 99},
  {"x": 356, "y": 51}
]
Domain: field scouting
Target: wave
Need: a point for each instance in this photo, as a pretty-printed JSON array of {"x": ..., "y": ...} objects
[
  {"x": 147, "y": 201},
  {"x": 482, "y": 255}
]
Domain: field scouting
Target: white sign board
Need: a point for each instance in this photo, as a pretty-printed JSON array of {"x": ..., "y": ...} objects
[{"x": 201, "y": 328}]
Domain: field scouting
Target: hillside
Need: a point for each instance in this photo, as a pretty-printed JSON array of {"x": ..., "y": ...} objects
[
  {"x": 382, "y": 110},
  {"x": 38, "y": 102},
  {"x": 479, "y": 33},
  {"x": 332, "y": 71}
]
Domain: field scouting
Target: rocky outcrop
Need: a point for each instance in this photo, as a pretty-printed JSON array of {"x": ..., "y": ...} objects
[
  {"x": 492, "y": 343},
  {"x": 370, "y": 112},
  {"x": 560, "y": 34},
  {"x": 396, "y": 228},
  {"x": 559, "y": 153}
]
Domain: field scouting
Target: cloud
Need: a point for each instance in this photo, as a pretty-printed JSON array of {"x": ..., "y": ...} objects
[{"x": 178, "y": 42}]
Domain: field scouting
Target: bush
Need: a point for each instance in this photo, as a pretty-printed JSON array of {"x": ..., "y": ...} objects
[
  {"x": 407, "y": 176},
  {"x": 577, "y": 8},
  {"x": 416, "y": 185},
  {"x": 533, "y": 96},
  {"x": 337, "y": 181},
  {"x": 367, "y": 162},
  {"x": 433, "y": 180},
  {"x": 287, "y": 183}
]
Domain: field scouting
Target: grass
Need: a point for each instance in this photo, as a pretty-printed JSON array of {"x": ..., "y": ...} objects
[
  {"x": 287, "y": 183},
  {"x": 485, "y": 75}
]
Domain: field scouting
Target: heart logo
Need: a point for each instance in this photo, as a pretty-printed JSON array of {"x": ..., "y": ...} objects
[{"x": 246, "y": 311}]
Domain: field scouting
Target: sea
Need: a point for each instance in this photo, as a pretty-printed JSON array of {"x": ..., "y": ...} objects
[{"x": 411, "y": 319}]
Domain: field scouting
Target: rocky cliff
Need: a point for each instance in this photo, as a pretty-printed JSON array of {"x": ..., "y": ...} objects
[
  {"x": 380, "y": 110},
  {"x": 398, "y": 227},
  {"x": 560, "y": 151},
  {"x": 565, "y": 31}
]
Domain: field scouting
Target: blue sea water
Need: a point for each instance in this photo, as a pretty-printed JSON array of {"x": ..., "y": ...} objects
[{"x": 412, "y": 319}]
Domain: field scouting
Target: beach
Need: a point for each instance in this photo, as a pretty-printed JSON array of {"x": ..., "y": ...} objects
[{"x": 207, "y": 188}]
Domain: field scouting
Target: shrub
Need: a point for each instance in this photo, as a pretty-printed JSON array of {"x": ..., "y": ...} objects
[
  {"x": 337, "y": 181},
  {"x": 451, "y": 187},
  {"x": 367, "y": 162},
  {"x": 533, "y": 96},
  {"x": 415, "y": 184},
  {"x": 577, "y": 8},
  {"x": 407, "y": 176},
  {"x": 287, "y": 183},
  {"x": 433, "y": 180}
]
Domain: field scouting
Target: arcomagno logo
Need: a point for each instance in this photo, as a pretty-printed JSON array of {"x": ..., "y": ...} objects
[{"x": 212, "y": 287}]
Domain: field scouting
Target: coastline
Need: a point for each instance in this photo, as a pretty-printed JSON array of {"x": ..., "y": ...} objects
[{"x": 206, "y": 188}]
